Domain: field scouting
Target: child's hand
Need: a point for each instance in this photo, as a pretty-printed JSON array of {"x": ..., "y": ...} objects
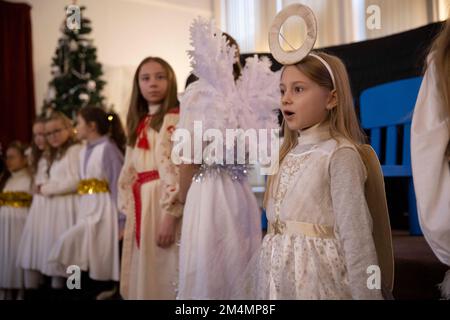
[{"x": 166, "y": 233}]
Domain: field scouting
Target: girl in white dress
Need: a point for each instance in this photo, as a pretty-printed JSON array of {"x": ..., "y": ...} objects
[
  {"x": 92, "y": 243},
  {"x": 319, "y": 244},
  {"x": 38, "y": 164},
  {"x": 148, "y": 186},
  {"x": 15, "y": 200},
  {"x": 430, "y": 152},
  {"x": 59, "y": 211},
  {"x": 221, "y": 220}
]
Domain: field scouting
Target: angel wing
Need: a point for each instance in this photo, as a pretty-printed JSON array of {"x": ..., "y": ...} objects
[{"x": 258, "y": 88}]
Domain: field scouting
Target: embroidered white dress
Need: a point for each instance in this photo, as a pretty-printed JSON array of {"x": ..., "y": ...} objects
[
  {"x": 93, "y": 242},
  {"x": 319, "y": 243},
  {"x": 12, "y": 222},
  {"x": 150, "y": 272}
]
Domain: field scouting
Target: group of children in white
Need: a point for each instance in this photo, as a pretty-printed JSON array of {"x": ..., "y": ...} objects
[{"x": 193, "y": 231}]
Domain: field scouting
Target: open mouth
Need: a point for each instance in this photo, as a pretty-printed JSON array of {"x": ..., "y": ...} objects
[{"x": 288, "y": 113}]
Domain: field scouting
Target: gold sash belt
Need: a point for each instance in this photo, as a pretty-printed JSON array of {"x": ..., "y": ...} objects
[
  {"x": 15, "y": 199},
  {"x": 301, "y": 228},
  {"x": 90, "y": 186}
]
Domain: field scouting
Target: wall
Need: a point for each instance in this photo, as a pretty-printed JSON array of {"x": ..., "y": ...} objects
[{"x": 124, "y": 32}]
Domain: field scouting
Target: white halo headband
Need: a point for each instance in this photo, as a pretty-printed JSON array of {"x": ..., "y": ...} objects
[
  {"x": 326, "y": 66},
  {"x": 295, "y": 56}
]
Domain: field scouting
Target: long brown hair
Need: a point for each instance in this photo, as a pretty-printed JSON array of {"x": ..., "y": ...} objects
[
  {"x": 138, "y": 108},
  {"x": 106, "y": 123},
  {"x": 57, "y": 153},
  {"x": 36, "y": 153},
  {"x": 342, "y": 119},
  {"x": 237, "y": 68},
  {"x": 22, "y": 148},
  {"x": 440, "y": 50}
]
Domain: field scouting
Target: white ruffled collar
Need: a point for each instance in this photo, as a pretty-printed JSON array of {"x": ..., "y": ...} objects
[{"x": 314, "y": 134}]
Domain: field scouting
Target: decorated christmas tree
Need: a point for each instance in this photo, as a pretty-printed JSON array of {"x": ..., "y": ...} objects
[{"x": 76, "y": 72}]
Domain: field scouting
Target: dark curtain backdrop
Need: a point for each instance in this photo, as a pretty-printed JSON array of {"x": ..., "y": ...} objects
[
  {"x": 381, "y": 60},
  {"x": 17, "y": 105}
]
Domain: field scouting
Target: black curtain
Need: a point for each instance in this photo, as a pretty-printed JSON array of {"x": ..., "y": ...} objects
[{"x": 17, "y": 106}]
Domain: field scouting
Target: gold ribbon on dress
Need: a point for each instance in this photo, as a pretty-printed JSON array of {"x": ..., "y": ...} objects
[
  {"x": 91, "y": 186},
  {"x": 301, "y": 228},
  {"x": 15, "y": 199}
]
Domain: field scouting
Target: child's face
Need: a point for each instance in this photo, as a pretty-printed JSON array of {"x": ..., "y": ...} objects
[
  {"x": 39, "y": 135},
  {"x": 303, "y": 102},
  {"x": 57, "y": 134},
  {"x": 83, "y": 129},
  {"x": 15, "y": 160},
  {"x": 153, "y": 82}
]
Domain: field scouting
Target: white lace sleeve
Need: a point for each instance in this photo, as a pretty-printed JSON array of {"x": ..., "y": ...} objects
[
  {"x": 127, "y": 176},
  {"x": 353, "y": 220}
]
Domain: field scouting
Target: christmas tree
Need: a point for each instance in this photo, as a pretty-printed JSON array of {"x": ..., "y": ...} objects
[{"x": 76, "y": 73}]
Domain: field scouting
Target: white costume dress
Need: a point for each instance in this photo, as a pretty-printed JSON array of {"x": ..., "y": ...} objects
[
  {"x": 319, "y": 243},
  {"x": 93, "y": 242},
  {"x": 57, "y": 213},
  {"x": 32, "y": 245},
  {"x": 221, "y": 219},
  {"x": 431, "y": 172},
  {"x": 15, "y": 200},
  {"x": 148, "y": 190}
]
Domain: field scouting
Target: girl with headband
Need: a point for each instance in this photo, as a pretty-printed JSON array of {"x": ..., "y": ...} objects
[{"x": 319, "y": 243}]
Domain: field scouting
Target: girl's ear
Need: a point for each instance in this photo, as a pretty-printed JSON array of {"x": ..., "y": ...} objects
[{"x": 332, "y": 100}]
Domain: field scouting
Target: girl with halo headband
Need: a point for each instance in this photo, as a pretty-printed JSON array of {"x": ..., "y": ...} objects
[
  {"x": 93, "y": 242},
  {"x": 221, "y": 227},
  {"x": 430, "y": 152},
  {"x": 319, "y": 243}
]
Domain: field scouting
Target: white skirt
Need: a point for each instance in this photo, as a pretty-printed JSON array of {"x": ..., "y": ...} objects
[
  {"x": 12, "y": 222},
  {"x": 93, "y": 243},
  {"x": 48, "y": 219},
  {"x": 221, "y": 231}
]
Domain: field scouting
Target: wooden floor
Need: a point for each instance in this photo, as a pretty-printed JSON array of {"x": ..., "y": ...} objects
[{"x": 417, "y": 270}]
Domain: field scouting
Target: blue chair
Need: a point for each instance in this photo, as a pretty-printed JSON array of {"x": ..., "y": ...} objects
[
  {"x": 390, "y": 107},
  {"x": 264, "y": 220}
]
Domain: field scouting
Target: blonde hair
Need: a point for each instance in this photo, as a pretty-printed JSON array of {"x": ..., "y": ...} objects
[
  {"x": 53, "y": 154},
  {"x": 138, "y": 108},
  {"x": 343, "y": 122}
]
